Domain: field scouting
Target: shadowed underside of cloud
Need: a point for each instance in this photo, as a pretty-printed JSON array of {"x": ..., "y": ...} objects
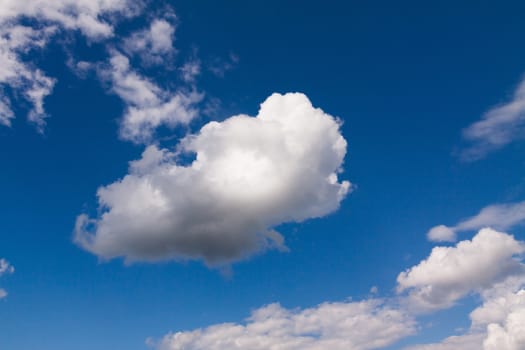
[
  {"x": 497, "y": 128},
  {"x": 335, "y": 326},
  {"x": 250, "y": 174}
]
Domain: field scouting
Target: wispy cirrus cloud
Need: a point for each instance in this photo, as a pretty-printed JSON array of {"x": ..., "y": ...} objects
[
  {"x": 5, "y": 269},
  {"x": 147, "y": 105},
  {"x": 153, "y": 45},
  {"x": 47, "y": 18},
  {"x": 497, "y": 128},
  {"x": 499, "y": 216}
]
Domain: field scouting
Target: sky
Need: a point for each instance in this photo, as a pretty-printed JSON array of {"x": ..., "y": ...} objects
[{"x": 203, "y": 175}]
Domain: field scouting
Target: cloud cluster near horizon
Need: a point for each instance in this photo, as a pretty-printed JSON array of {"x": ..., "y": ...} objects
[
  {"x": 362, "y": 325},
  {"x": 490, "y": 266},
  {"x": 250, "y": 174}
]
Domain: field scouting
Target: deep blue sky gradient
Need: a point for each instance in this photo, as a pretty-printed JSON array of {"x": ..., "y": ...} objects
[{"x": 405, "y": 77}]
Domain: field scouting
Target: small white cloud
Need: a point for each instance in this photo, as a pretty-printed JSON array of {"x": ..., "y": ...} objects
[
  {"x": 190, "y": 70},
  {"x": 499, "y": 216},
  {"x": 450, "y": 273},
  {"x": 154, "y": 45},
  {"x": 5, "y": 269},
  {"x": 148, "y": 106},
  {"x": 441, "y": 233},
  {"x": 250, "y": 175},
  {"x": 336, "y": 326},
  {"x": 497, "y": 128}
]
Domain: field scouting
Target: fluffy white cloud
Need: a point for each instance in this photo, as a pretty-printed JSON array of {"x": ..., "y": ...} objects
[
  {"x": 450, "y": 273},
  {"x": 5, "y": 268},
  {"x": 498, "y": 324},
  {"x": 486, "y": 266},
  {"x": 250, "y": 175},
  {"x": 148, "y": 106},
  {"x": 48, "y": 18},
  {"x": 499, "y": 216},
  {"x": 154, "y": 45},
  {"x": 441, "y": 233},
  {"x": 498, "y": 127},
  {"x": 337, "y": 326},
  {"x": 509, "y": 335}
]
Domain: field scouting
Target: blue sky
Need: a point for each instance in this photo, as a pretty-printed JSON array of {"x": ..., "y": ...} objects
[{"x": 422, "y": 112}]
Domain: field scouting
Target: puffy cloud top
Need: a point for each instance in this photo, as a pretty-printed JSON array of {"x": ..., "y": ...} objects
[
  {"x": 450, "y": 273},
  {"x": 250, "y": 174}
]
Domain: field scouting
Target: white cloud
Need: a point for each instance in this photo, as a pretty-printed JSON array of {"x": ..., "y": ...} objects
[
  {"x": 509, "y": 334},
  {"x": 148, "y": 106},
  {"x": 250, "y": 175},
  {"x": 498, "y": 127},
  {"x": 337, "y": 326},
  {"x": 84, "y": 15},
  {"x": 499, "y": 216},
  {"x": 487, "y": 265},
  {"x": 190, "y": 70},
  {"x": 48, "y": 18},
  {"x": 441, "y": 233},
  {"x": 450, "y": 273},
  {"x": 498, "y": 324},
  {"x": 30, "y": 81},
  {"x": 456, "y": 342},
  {"x": 5, "y": 269},
  {"x": 154, "y": 45}
]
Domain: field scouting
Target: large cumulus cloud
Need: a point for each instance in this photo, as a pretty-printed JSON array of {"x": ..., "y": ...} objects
[{"x": 250, "y": 174}]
